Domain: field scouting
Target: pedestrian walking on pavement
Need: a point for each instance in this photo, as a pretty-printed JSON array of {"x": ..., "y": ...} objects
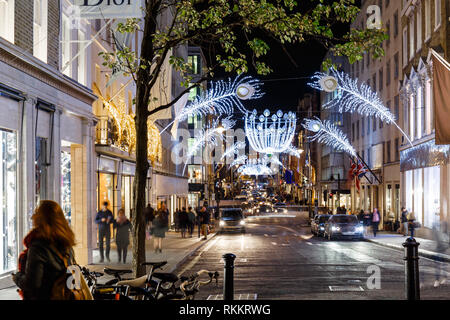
[
  {"x": 176, "y": 218},
  {"x": 46, "y": 257},
  {"x": 404, "y": 221},
  {"x": 160, "y": 227},
  {"x": 375, "y": 221},
  {"x": 123, "y": 227},
  {"x": 205, "y": 219},
  {"x": 104, "y": 219},
  {"x": 191, "y": 217},
  {"x": 184, "y": 221},
  {"x": 412, "y": 223},
  {"x": 361, "y": 216},
  {"x": 366, "y": 222}
]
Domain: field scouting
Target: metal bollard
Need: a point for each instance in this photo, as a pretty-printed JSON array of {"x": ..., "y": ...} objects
[
  {"x": 228, "y": 281},
  {"x": 412, "y": 282}
]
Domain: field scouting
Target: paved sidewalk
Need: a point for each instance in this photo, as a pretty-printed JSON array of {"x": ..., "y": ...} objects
[
  {"x": 427, "y": 248},
  {"x": 175, "y": 250}
]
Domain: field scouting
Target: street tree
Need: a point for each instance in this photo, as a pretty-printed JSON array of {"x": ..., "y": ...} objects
[{"x": 234, "y": 28}]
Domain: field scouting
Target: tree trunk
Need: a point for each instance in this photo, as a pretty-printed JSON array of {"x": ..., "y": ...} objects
[{"x": 142, "y": 165}]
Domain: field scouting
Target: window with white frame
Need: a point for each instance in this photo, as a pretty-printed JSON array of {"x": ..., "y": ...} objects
[
  {"x": 411, "y": 37},
  {"x": 66, "y": 46},
  {"x": 7, "y": 19},
  {"x": 420, "y": 114},
  {"x": 409, "y": 190},
  {"x": 427, "y": 19},
  {"x": 437, "y": 13},
  {"x": 82, "y": 61},
  {"x": 411, "y": 117},
  {"x": 40, "y": 15},
  {"x": 405, "y": 46},
  {"x": 431, "y": 192},
  {"x": 418, "y": 195},
  {"x": 419, "y": 27}
]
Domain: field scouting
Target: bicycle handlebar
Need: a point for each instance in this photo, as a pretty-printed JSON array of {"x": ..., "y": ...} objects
[{"x": 196, "y": 284}]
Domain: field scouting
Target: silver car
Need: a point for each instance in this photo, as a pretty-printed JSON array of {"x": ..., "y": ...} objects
[
  {"x": 231, "y": 220},
  {"x": 343, "y": 226}
]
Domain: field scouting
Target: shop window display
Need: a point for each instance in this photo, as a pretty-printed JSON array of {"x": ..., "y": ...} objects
[{"x": 8, "y": 195}]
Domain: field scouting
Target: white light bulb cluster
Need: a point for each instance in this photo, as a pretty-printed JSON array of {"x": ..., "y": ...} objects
[
  {"x": 270, "y": 134},
  {"x": 327, "y": 133},
  {"x": 255, "y": 167}
]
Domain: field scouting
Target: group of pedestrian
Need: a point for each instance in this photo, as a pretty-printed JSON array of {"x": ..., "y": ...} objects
[
  {"x": 122, "y": 225},
  {"x": 186, "y": 221},
  {"x": 370, "y": 219}
]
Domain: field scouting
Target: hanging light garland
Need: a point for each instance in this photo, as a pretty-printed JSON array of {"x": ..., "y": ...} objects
[
  {"x": 353, "y": 97},
  {"x": 328, "y": 134},
  {"x": 221, "y": 98},
  {"x": 126, "y": 127},
  {"x": 269, "y": 134}
]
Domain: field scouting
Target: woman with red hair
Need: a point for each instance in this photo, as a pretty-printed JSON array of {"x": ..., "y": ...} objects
[{"x": 47, "y": 254}]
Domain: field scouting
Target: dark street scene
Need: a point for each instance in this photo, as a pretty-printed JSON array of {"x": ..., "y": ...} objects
[{"x": 238, "y": 153}]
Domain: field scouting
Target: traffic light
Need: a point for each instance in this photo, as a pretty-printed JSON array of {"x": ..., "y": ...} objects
[{"x": 325, "y": 195}]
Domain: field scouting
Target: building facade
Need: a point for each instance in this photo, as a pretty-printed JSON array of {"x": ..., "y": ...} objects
[
  {"x": 47, "y": 128},
  {"x": 334, "y": 188},
  {"x": 377, "y": 143},
  {"x": 424, "y": 178}
]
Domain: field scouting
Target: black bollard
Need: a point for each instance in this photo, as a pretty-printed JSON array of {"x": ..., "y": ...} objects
[
  {"x": 412, "y": 282},
  {"x": 228, "y": 281}
]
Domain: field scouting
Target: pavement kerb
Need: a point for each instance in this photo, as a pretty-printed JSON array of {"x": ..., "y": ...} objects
[
  {"x": 190, "y": 253},
  {"x": 424, "y": 253}
]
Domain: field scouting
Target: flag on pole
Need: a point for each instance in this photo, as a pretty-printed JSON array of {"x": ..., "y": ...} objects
[{"x": 441, "y": 93}]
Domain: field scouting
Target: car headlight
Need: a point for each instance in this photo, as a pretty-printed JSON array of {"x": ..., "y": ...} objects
[
  {"x": 257, "y": 210},
  {"x": 242, "y": 222},
  {"x": 335, "y": 228},
  {"x": 267, "y": 210},
  {"x": 359, "y": 229},
  {"x": 322, "y": 228},
  {"x": 221, "y": 223}
]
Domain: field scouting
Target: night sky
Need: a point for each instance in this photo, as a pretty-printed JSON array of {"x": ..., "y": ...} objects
[{"x": 293, "y": 61}]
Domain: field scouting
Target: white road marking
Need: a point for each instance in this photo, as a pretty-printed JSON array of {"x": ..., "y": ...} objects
[
  {"x": 309, "y": 243},
  {"x": 274, "y": 243}
]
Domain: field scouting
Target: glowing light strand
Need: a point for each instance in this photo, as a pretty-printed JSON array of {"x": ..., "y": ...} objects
[
  {"x": 221, "y": 98},
  {"x": 208, "y": 137},
  {"x": 273, "y": 134},
  {"x": 355, "y": 97},
  {"x": 234, "y": 149},
  {"x": 327, "y": 133}
]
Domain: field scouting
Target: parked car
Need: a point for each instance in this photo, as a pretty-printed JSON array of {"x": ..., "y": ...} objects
[
  {"x": 231, "y": 220},
  {"x": 318, "y": 224},
  {"x": 343, "y": 226}
]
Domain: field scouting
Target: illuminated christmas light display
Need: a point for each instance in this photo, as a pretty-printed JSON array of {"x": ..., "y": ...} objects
[
  {"x": 353, "y": 97},
  {"x": 270, "y": 134},
  {"x": 255, "y": 167},
  {"x": 221, "y": 98},
  {"x": 239, "y": 160},
  {"x": 294, "y": 151},
  {"x": 328, "y": 134},
  {"x": 126, "y": 127},
  {"x": 234, "y": 149},
  {"x": 209, "y": 137}
]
